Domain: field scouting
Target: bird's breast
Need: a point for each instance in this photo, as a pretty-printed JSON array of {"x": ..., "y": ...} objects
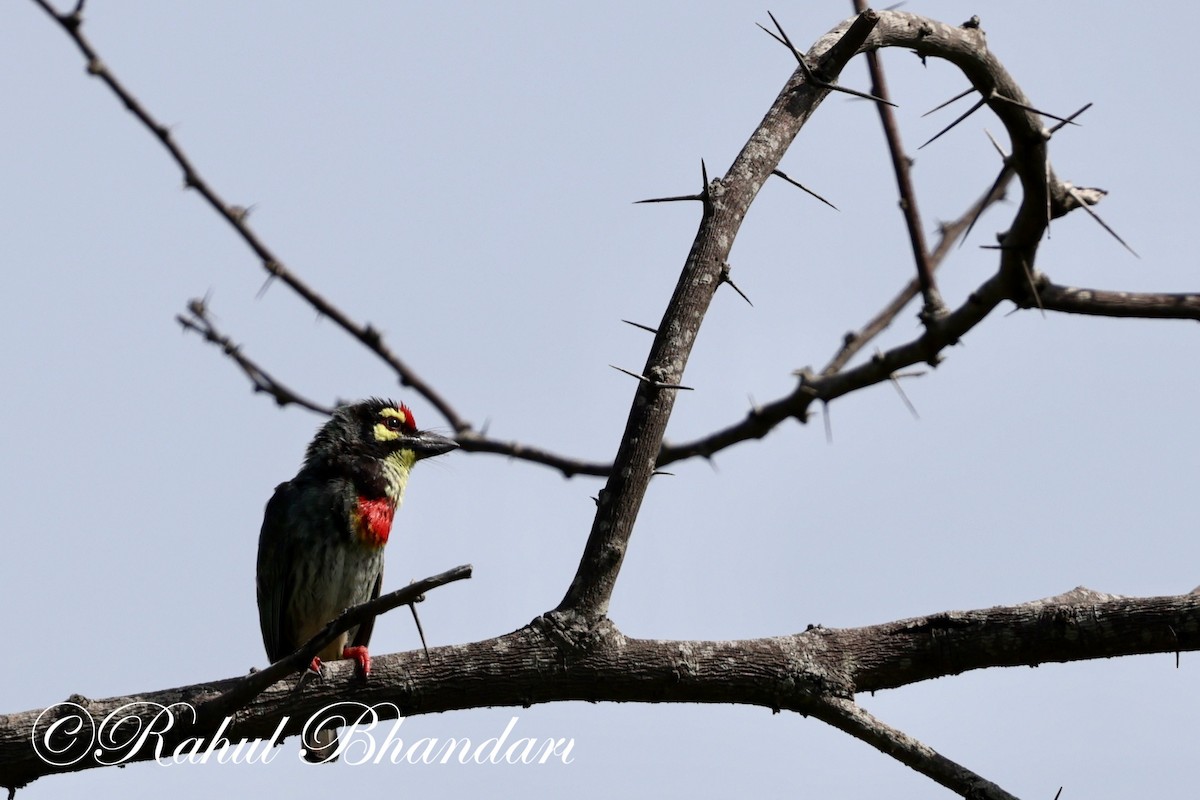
[{"x": 372, "y": 520}]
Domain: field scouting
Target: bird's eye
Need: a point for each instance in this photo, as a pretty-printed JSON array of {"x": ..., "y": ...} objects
[{"x": 393, "y": 423}]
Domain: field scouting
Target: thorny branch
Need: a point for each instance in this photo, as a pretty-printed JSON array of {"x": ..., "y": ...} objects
[
  {"x": 579, "y": 625},
  {"x": 814, "y": 672},
  {"x": 1059, "y": 200},
  {"x": 236, "y": 216}
]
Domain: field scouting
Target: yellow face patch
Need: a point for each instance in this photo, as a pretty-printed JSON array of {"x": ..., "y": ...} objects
[
  {"x": 392, "y": 425},
  {"x": 394, "y": 412}
]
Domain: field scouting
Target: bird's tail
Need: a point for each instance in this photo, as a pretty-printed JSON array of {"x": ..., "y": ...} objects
[{"x": 323, "y": 747}]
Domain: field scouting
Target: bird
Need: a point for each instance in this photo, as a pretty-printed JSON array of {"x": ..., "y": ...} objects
[{"x": 321, "y": 546}]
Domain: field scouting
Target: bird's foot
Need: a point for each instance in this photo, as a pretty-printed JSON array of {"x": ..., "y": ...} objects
[
  {"x": 361, "y": 657},
  {"x": 314, "y": 668}
]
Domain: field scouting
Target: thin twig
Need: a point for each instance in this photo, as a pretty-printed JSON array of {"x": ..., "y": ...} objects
[
  {"x": 255, "y": 683},
  {"x": 935, "y": 307},
  {"x": 201, "y": 322},
  {"x": 235, "y": 215},
  {"x": 849, "y": 717}
]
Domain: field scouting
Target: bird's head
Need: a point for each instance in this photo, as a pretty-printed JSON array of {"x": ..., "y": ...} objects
[{"x": 374, "y": 440}]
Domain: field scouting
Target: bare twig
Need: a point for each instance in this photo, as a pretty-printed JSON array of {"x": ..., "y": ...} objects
[
  {"x": 901, "y": 166},
  {"x": 255, "y": 683},
  {"x": 855, "y": 341},
  {"x": 849, "y": 717},
  {"x": 235, "y": 215},
  {"x": 199, "y": 319}
]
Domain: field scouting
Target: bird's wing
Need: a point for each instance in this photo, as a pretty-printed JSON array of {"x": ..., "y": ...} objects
[{"x": 275, "y": 558}]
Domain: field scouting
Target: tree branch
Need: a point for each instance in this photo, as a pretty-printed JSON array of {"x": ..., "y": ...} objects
[
  {"x": 236, "y": 216},
  {"x": 902, "y": 167},
  {"x": 815, "y": 672},
  {"x": 848, "y": 716},
  {"x": 728, "y": 200}
]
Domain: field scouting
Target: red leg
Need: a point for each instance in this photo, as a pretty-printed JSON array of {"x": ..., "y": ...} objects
[
  {"x": 361, "y": 656},
  {"x": 315, "y": 666}
]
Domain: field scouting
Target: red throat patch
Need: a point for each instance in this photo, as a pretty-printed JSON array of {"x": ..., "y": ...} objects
[{"x": 373, "y": 520}]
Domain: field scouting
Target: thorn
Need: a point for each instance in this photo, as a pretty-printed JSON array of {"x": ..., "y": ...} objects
[
  {"x": 834, "y": 87},
  {"x": 1037, "y": 298},
  {"x": 1049, "y": 211},
  {"x": 997, "y": 96},
  {"x": 802, "y": 187},
  {"x": 641, "y": 378},
  {"x": 828, "y": 422},
  {"x": 640, "y": 325},
  {"x": 662, "y": 472},
  {"x": 954, "y": 99},
  {"x": 1079, "y": 198},
  {"x": 676, "y": 199},
  {"x": 772, "y": 34},
  {"x": 1065, "y": 122},
  {"x": 995, "y": 144},
  {"x": 983, "y": 206},
  {"x": 809, "y": 76},
  {"x": 895, "y": 379},
  {"x": 420, "y": 631},
  {"x": 240, "y": 213},
  {"x": 726, "y": 279},
  {"x": 783, "y": 37},
  {"x": 263, "y": 289},
  {"x": 655, "y": 384},
  {"x": 978, "y": 105}
]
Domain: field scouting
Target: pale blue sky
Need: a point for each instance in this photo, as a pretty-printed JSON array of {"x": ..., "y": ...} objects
[{"x": 462, "y": 177}]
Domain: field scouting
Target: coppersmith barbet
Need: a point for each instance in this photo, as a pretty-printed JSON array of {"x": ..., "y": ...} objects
[{"x": 320, "y": 550}]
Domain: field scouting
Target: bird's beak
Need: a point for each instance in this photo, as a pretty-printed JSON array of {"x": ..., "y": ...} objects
[{"x": 426, "y": 444}]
